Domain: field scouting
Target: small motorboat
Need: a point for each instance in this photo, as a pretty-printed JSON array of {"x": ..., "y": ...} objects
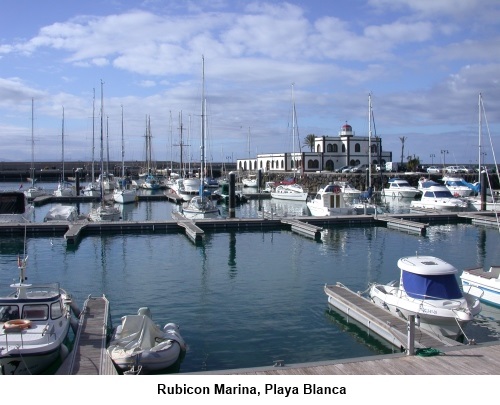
[
  {"x": 399, "y": 188},
  {"x": 139, "y": 343},
  {"x": 428, "y": 289},
  {"x": 329, "y": 201},
  {"x": 34, "y": 325},
  {"x": 484, "y": 285},
  {"x": 438, "y": 197}
]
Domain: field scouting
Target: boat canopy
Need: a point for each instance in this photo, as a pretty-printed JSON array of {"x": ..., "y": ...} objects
[{"x": 438, "y": 287}]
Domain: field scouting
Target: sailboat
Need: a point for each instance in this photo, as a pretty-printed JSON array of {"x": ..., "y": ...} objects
[
  {"x": 64, "y": 188},
  {"x": 489, "y": 203},
  {"x": 124, "y": 194},
  {"x": 33, "y": 191},
  {"x": 150, "y": 180},
  {"x": 103, "y": 212},
  {"x": 92, "y": 188},
  {"x": 291, "y": 191},
  {"x": 201, "y": 206}
]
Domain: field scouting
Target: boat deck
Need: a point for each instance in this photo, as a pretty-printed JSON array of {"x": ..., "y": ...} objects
[{"x": 89, "y": 355}]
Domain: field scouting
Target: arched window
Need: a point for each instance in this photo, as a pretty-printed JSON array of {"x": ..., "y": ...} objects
[
  {"x": 329, "y": 148},
  {"x": 335, "y": 148},
  {"x": 343, "y": 148},
  {"x": 329, "y": 165},
  {"x": 318, "y": 148},
  {"x": 357, "y": 147}
]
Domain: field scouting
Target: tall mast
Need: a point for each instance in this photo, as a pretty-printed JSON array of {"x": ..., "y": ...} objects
[
  {"x": 123, "y": 151},
  {"x": 203, "y": 107},
  {"x": 32, "y": 143},
  {"x": 62, "y": 143},
  {"x": 93, "y": 136},
  {"x": 102, "y": 144},
  {"x": 370, "y": 140},
  {"x": 480, "y": 129},
  {"x": 293, "y": 129}
]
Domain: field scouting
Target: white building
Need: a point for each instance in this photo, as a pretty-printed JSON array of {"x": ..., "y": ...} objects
[{"x": 330, "y": 153}]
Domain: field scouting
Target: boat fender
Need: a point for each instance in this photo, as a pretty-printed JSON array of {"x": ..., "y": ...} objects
[{"x": 17, "y": 324}]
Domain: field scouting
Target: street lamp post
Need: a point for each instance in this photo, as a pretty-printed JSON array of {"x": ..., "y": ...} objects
[
  {"x": 444, "y": 152},
  {"x": 432, "y": 159}
]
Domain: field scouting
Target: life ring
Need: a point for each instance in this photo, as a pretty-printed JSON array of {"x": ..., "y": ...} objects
[{"x": 17, "y": 324}]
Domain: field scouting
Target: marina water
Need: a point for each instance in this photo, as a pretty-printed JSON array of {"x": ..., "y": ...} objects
[{"x": 247, "y": 299}]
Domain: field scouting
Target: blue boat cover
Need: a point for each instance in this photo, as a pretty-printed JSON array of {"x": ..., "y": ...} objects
[{"x": 438, "y": 287}]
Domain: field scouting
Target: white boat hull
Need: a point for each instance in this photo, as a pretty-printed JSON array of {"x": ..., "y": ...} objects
[
  {"x": 438, "y": 317},
  {"x": 124, "y": 196},
  {"x": 484, "y": 285}
]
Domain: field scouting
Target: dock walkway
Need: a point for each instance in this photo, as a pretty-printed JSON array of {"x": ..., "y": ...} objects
[
  {"x": 379, "y": 320},
  {"x": 89, "y": 355},
  {"x": 483, "y": 359}
]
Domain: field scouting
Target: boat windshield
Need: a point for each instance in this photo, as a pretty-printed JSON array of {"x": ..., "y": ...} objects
[
  {"x": 439, "y": 194},
  {"x": 437, "y": 287}
]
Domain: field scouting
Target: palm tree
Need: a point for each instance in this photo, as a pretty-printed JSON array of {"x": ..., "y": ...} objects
[{"x": 309, "y": 141}]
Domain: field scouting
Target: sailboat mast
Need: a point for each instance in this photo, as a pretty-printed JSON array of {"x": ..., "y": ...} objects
[
  {"x": 32, "y": 143},
  {"x": 123, "y": 151},
  {"x": 93, "y": 136},
  {"x": 203, "y": 106},
  {"x": 369, "y": 139},
  {"x": 62, "y": 143},
  {"x": 480, "y": 129},
  {"x": 293, "y": 130},
  {"x": 102, "y": 144}
]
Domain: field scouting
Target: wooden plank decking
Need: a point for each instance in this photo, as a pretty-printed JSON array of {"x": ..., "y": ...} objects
[
  {"x": 89, "y": 356},
  {"x": 483, "y": 359}
]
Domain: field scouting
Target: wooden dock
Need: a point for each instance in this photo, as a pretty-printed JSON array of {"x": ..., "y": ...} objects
[
  {"x": 483, "y": 359},
  {"x": 306, "y": 225},
  {"x": 192, "y": 231},
  {"x": 303, "y": 228},
  {"x": 379, "y": 320},
  {"x": 403, "y": 224},
  {"x": 89, "y": 355}
]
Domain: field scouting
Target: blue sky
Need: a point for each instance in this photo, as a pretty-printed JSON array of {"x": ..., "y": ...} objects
[{"x": 423, "y": 62}]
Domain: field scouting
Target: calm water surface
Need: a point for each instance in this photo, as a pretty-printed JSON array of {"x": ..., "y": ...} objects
[{"x": 246, "y": 299}]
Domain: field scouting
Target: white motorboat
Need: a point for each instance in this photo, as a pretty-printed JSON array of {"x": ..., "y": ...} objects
[
  {"x": 186, "y": 188},
  {"x": 458, "y": 186},
  {"x": 34, "y": 325},
  {"x": 438, "y": 197},
  {"x": 138, "y": 343},
  {"x": 484, "y": 285},
  {"x": 348, "y": 191},
  {"x": 428, "y": 289},
  {"x": 329, "y": 201},
  {"x": 61, "y": 212},
  {"x": 293, "y": 192},
  {"x": 399, "y": 188},
  {"x": 14, "y": 207},
  {"x": 250, "y": 181}
]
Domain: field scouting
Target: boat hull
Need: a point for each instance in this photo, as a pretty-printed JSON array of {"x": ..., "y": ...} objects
[
  {"x": 435, "y": 317},
  {"x": 483, "y": 285}
]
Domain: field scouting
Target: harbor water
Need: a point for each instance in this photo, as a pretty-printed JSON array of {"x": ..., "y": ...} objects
[{"x": 247, "y": 299}]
